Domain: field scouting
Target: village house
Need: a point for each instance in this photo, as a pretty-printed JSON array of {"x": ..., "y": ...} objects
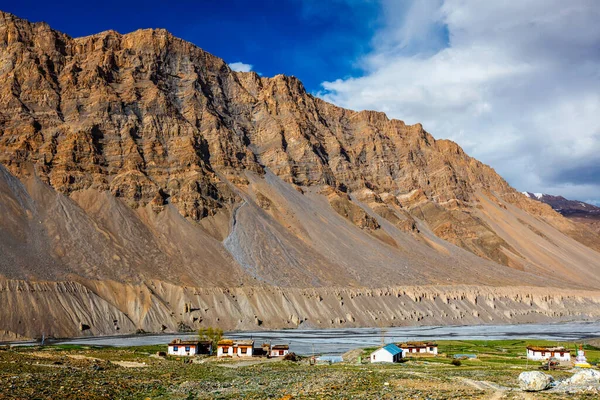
[
  {"x": 542, "y": 353},
  {"x": 180, "y": 347},
  {"x": 279, "y": 350},
  {"x": 419, "y": 349},
  {"x": 389, "y": 353},
  {"x": 230, "y": 348}
]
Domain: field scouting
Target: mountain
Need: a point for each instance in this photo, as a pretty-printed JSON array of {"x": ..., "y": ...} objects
[
  {"x": 575, "y": 210},
  {"x": 564, "y": 206},
  {"x": 146, "y": 185}
]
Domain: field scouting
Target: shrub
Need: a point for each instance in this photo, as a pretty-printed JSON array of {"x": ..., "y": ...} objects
[
  {"x": 456, "y": 362},
  {"x": 291, "y": 357}
]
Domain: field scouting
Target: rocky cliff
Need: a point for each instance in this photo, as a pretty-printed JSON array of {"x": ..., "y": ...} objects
[{"x": 141, "y": 158}]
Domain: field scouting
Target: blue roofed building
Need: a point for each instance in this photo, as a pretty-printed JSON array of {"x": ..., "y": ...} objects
[{"x": 390, "y": 353}]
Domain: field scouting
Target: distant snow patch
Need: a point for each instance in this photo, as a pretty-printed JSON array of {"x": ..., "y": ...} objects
[{"x": 539, "y": 195}]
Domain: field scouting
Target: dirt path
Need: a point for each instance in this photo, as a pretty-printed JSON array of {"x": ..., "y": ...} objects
[
  {"x": 130, "y": 364},
  {"x": 82, "y": 357},
  {"x": 248, "y": 363},
  {"x": 498, "y": 391}
]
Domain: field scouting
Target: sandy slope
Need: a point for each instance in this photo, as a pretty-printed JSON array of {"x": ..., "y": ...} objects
[{"x": 297, "y": 263}]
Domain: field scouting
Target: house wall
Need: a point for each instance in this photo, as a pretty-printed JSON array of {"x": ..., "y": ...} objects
[
  {"x": 235, "y": 351},
  {"x": 381, "y": 356},
  {"x": 421, "y": 350},
  {"x": 539, "y": 355},
  {"x": 276, "y": 353},
  {"x": 248, "y": 353},
  {"x": 182, "y": 350},
  {"x": 228, "y": 352}
]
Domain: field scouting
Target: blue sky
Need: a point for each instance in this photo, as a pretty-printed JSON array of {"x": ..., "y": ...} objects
[
  {"x": 305, "y": 38},
  {"x": 516, "y": 84}
]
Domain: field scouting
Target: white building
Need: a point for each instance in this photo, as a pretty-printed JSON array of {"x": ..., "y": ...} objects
[
  {"x": 279, "y": 350},
  {"x": 180, "y": 347},
  {"x": 239, "y": 348},
  {"x": 389, "y": 353},
  {"x": 540, "y": 353},
  {"x": 419, "y": 348}
]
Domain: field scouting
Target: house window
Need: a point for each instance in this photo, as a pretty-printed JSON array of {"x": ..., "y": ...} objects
[
  {"x": 187, "y": 349},
  {"x": 225, "y": 349},
  {"x": 374, "y": 356},
  {"x": 562, "y": 354},
  {"x": 175, "y": 348},
  {"x": 543, "y": 354},
  {"x": 280, "y": 352},
  {"x": 243, "y": 350},
  {"x": 431, "y": 349}
]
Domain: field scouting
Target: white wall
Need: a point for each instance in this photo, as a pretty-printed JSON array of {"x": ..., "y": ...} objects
[
  {"x": 381, "y": 355},
  {"x": 181, "y": 350},
  {"x": 238, "y": 352},
  {"x": 228, "y": 353},
  {"x": 275, "y": 353},
  {"x": 537, "y": 355},
  {"x": 249, "y": 351},
  {"x": 407, "y": 352}
]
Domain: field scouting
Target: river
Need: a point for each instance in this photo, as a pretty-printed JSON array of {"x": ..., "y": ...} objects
[{"x": 338, "y": 341}]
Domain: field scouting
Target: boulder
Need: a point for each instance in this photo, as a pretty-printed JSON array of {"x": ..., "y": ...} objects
[
  {"x": 534, "y": 381},
  {"x": 585, "y": 376}
]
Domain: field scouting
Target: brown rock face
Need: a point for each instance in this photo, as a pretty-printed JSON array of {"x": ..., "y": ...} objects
[
  {"x": 152, "y": 118},
  {"x": 140, "y": 156}
]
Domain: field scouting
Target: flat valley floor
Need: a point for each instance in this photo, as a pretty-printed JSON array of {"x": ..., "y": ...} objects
[{"x": 76, "y": 372}]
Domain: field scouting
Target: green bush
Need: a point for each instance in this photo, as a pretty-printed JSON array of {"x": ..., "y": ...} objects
[{"x": 456, "y": 362}]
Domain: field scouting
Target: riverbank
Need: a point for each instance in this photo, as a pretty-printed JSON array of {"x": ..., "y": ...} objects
[
  {"x": 72, "y": 309},
  {"x": 338, "y": 341}
]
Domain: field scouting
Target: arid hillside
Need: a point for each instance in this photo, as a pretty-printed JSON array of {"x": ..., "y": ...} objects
[{"x": 141, "y": 177}]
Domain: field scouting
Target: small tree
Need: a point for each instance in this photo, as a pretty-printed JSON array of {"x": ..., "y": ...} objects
[{"x": 211, "y": 334}]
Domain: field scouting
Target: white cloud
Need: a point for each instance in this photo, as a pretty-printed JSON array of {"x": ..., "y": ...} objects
[
  {"x": 515, "y": 83},
  {"x": 240, "y": 67}
]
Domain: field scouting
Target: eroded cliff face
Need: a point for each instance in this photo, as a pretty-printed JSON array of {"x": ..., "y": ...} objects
[
  {"x": 141, "y": 158},
  {"x": 63, "y": 309}
]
